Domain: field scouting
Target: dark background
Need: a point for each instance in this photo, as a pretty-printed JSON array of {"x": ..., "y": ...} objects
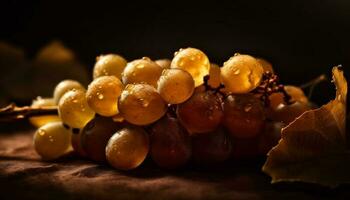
[{"x": 302, "y": 39}]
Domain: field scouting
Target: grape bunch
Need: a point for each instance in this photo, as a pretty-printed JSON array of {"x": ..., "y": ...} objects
[{"x": 173, "y": 111}]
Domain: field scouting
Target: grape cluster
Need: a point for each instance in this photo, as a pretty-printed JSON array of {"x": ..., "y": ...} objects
[{"x": 176, "y": 111}]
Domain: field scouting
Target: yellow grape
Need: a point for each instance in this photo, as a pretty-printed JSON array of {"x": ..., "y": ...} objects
[
  {"x": 164, "y": 63},
  {"x": 267, "y": 66},
  {"x": 141, "y": 104},
  {"x": 296, "y": 93},
  {"x": 52, "y": 140},
  {"x": 74, "y": 110},
  {"x": 42, "y": 120},
  {"x": 241, "y": 74},
  {"x": 175, "y": 85},
  {"x": 109, "y": 65},
  {"x": 214, "y": 76},
  {"x": 127, "y": 148},
  {"x": 65, "y": 86},
  {"x": 142, "y": 71},
  {"x": 102, "y": 95},
  {"x": 194, "y": 61}
]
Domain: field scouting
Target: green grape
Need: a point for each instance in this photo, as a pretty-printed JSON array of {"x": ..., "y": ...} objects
[
  {"x": 201, "y": 113},
  {"x": 42, "y": 120},
  {"x": 95, "y": 135},
  {"x": 74, "y": 110},
  {"x": 109, "y": 65},
  {"x": 194, "y": 61},
  {"x": 65, "y": 86},
  {"x": 102, "y": 95},
  {"x": 141, "y": 104},
  {"x": 142, "y": 71},
  {"x": 52, "y": 140},
  {"x": 175, "y": 85},
  {"x": 214, "y": 76},
  {"x": 241, "y": 74},
  {"x": 164, "y": 63},
  {"x": 127, "y": 148},
  {"x": 266, "y": 65},
  {"x": 211, "y": 148},
  {"x": 244, "y": 115},
  {"x": 170, "y": 143}
]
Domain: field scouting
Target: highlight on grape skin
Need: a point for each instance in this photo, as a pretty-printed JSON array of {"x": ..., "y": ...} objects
[
  {"x": 109, "y": 65},
  {"x": 52, "y": 140},
  {"x": 74, "y": 110},
  {"x": 142, "y": 71},
  {"x": 102, "y": 95},
  {"x": 194, "y": 61}
]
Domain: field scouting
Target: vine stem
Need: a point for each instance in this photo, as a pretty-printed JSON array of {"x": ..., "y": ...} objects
[{"x": 14, "y": 113}]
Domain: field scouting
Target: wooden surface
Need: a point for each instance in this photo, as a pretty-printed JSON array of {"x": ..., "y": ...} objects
[{"x": 24, "y": 175}]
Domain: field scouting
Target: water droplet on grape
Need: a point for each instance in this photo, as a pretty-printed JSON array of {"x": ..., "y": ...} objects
[
  {"x": 236, "y": 54},
  {"x": 247, "y": 108},
  {"x": 41, "y": 132},
  {"x": 236, "y": 71},
  {"x": 146, "y": 58},
  {"x": 140, "y": 66},
  {"x": 100, "y": 96}
]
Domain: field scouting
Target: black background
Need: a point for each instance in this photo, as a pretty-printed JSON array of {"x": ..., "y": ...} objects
[{"x": 302, "y": 39}]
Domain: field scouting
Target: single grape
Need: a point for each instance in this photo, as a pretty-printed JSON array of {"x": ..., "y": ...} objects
[
  {"x": 142, "y": 71},
  {"x": 52, "y": 140},
  {"x": 201, "y": 113},
  {"x": 141, "y": 104},
  {"x": 65, "y": 86},
  {"x": 42, "y": 120},
  {"x": 170, "y": 143},
  {"x": 211, "y": 148},
  {"x": 287, "y": 113},
  {"x": 194, "y": 61},
  {"x": 95, "y": 136},
  {"x": 109, "y": 65},
  {"x": 214, "y": 76},
  {"x": 243, "y": 115},
  {"x": 267, "y": 66},
  {"x": 175, "y": 85},
  {"x": 296, "y": 94},
  {"x": 74, "y": 110},
  {"x": 241, "y": 74},
  {"x": 270, "y": 136},
  {"x": 127, "y": 148},
  {"x": 102, "y": 95},
  {"x": 164, "y": 63},
  {"x": 76, "y": 142}
]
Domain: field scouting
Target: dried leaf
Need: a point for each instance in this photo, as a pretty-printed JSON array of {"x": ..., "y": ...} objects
[{"x": 313, "y": 147}]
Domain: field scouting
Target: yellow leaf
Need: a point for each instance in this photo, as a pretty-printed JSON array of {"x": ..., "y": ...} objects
[{"x": 313, "y": 147}]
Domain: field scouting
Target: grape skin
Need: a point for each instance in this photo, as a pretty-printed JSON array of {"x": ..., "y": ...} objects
[
  {"x": 109, "y": 65},
  {"x": 142, "y": 71},
  {"x": 267, "y": 66},
  {"x": 175, "y": 85},
  {"x": 201, "y": 113},
  {"x": 241, "y": 74},
  {"x": 95, "y": 136},
  {"x": 164, "y": 63},
  {"x": 102, "y": 95},
  {"x": 52, "y": 140},
  {"x": 127, "y": 148},
  {"x": 194, "y": 61},
  {"x": 141, "y": 104},
  {"x": 243, "y": 115},
  {"x": 170, "y": 143},
  {"x": 74, "y": 110},
  {"x": 65, "y": 86},
  {"x": 42, "y": 120}
]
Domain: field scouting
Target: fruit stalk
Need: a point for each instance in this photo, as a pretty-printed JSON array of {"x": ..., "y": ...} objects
[{"x": 14, "y": 113}]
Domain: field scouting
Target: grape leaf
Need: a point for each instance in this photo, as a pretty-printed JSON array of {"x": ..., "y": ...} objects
[{"x": 313, "y": 147}]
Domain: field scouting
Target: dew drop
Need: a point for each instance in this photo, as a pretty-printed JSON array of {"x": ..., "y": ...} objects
[
  {"x": 100, "y": 96},
  {"x": 41, "y": 132}
]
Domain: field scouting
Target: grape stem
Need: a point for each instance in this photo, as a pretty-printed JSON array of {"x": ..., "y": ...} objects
[
  {"x": 15, "y": 113},
  {"x": 313, "y": 83},
  {"x": 269, "y": 85}
]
